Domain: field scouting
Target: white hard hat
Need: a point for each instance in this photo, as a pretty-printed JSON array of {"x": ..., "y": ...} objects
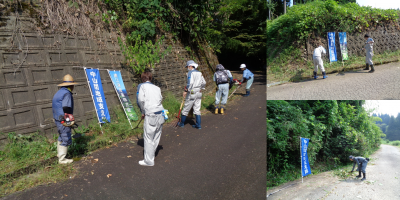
[{"x": 242, "y": 66}]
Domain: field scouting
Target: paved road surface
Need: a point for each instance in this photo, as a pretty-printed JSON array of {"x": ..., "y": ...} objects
[
  {"x": 226, "y": 159},
  {"x": 384, "y": 84},
  {"x": 383, "y": 182}
]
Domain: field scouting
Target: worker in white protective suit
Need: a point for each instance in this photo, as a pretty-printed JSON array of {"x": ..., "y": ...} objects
[
  {"x": 149, "y": 98},
  {"x": 369, "y": 47},
  {"x": 195, "y": 83},
  {"x": 318, "y": 52}
]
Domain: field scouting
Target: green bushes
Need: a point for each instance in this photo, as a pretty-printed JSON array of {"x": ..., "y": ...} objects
[
  {"x": 336, "y": 130},
  {"x": 395, "y": 143},
  {"x": 323, "y": 16}
]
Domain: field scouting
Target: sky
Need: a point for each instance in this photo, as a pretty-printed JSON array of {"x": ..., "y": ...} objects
[
  {"x": 383, "y": 4},
  {"x": 391, "y": 107}
]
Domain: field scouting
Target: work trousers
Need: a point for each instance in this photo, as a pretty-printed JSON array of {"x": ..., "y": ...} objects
[
  {"x": 152, "y": 133},
  {"x": 223, "y": 92},
  {"x": 318, "y": 63},
  {"x": 64, "y": 134}
]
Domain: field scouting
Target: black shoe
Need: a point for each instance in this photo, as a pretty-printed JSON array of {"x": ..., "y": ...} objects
[
  {"x": 372, "y": 69},
  {"x": 359, "y": 175},
  {"x": 363, "y": 177},
  {"x": 366, "y": 67}
]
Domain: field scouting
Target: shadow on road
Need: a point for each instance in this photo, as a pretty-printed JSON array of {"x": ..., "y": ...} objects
[{"x": 140, "y": 142}]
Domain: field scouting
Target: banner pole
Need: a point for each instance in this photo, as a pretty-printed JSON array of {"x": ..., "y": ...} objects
[
  {"x": 301, "y": 162},
  {"x": 119, "y": 98},
  {"x": 94, "y": 103}
]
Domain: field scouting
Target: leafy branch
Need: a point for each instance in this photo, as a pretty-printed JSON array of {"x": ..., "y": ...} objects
[{"x": 141, "y": 54}]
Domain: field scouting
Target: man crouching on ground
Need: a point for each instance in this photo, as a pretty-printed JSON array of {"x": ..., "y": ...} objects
[
  {"x": 149, "y": 98},
  {"x": 361, "y": 164}
]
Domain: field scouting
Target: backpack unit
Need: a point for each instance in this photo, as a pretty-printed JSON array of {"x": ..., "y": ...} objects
[{"x": 221, "y": 77}]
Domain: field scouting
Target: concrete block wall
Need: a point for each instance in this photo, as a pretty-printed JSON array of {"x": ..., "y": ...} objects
[
  {"x": 31, "y": 69},
  {"x": 386, "y": 37}
]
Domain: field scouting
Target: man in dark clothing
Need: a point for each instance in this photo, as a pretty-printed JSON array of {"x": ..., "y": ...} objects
[
  {"x": 361, "y": 165},
  {"x": 63, "y": 105}
]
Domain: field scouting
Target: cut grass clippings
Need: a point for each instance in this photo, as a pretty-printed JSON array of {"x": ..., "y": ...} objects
[
  {"x": 29, "y": 161},
  {"x": 300, "y": 70}
]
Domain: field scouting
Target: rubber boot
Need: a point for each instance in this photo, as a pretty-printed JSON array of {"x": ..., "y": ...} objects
[
  {"x": 61, "y": 153},
  {"x": 216, "y": 110},
  {"x": 222, "y": 110},
  {"x": 315, "y": 75},
  {"x": 198, "y": 122},
  {"x": 182, "y": 123},
  {"x": 372, "y": 69},
  {"x": 359, "y": 174},
  {"x": 324, "y": 75},
  {"x": 364, "y": 177},
  {"x": 366, "y": 66},
  {"x": 247, "y": 93}
]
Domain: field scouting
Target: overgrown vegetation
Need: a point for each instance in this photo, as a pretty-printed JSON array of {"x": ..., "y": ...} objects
[
  {"x": 289, "y": 32},
  {"x": 223, "y": 26},
  {"x": 336, "y": 130},
  {"x": 393, "y": 143}
]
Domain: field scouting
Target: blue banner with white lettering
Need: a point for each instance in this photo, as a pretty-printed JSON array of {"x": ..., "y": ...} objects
[
  {"x": 332, "y": 47},
  {"x": 343, "y": 45},
  {"x": 123, "y": 95},
  {"x": 305, "y": 165},
  {"x": 99, "y": 99}
]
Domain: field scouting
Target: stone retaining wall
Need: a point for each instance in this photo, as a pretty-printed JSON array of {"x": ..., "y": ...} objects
[{"x": 31, "y": 69}]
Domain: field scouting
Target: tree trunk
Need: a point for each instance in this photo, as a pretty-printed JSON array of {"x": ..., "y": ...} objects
[{"x": 284, "y": 6}]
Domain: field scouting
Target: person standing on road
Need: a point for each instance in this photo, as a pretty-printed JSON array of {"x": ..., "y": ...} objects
[
  {"x": 223, "y": 78},
  {"x": 195, "y": 83},
  {"x": 361, "y": 165},
  {"x": 149, "y": 98},
  {"x": 247, "y": 77},
  {"x": 318, "y": 52},
  {"x": 369, "y": 47},
  {"x": 63, "y": 107}
]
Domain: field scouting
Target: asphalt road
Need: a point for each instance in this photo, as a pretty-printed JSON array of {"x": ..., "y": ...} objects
[
  {"x": 382, "y": 183},
  {"x": 383, "y": 84},
  {"x": 226, "y": 159}
]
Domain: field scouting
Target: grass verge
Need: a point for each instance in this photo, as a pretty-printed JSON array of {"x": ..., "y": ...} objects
[
  {"x": 290, "y": 67},
  {"x": 29, "y": 161},
  {"x": 393, "y": 143}
]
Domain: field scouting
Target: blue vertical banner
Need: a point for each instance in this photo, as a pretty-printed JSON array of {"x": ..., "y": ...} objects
[
  {"x": 332, "y": 47},
  {"x": 305, "y": 165},
  {"x": 343, "y": 45},
  {"x": 93, "y": 76},
  {"x": 123, "y": 95}
]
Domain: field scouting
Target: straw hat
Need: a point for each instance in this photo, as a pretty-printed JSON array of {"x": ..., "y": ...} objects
[{"x": 67, "y": 81}]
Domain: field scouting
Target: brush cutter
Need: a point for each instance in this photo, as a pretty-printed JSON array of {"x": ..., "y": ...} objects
[
  {"x": 236, "y": 83},
  {"x": 179, "y": 114},
  {"x": 67, "y": 122}
]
